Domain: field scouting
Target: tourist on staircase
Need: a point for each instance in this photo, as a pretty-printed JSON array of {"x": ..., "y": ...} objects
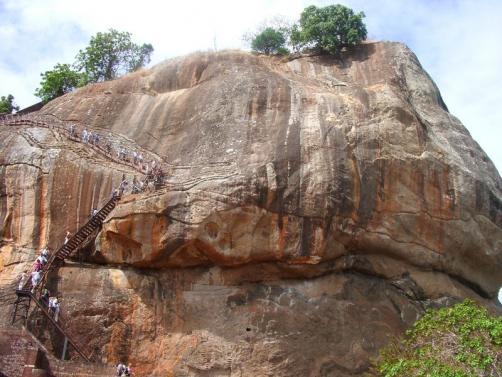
[
  {"x": 36, "y": 276},
  {"x": 54, "y": 307},
  {"x": 37, "y": 266},
  {"x": 67, "y": 237},
  {"x": 42, "y": 259},
  {"x": 135, "y": 185},
  {"x": 44, "y": 298},
  {"x": 123, "y": 186},
  {"x": 123, "y": 371},
  {"x": 120, "y": 369},
  {"x": 23, "y": 278}
]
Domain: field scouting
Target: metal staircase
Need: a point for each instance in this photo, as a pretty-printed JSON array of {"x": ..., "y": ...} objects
[{"x": 29, "y": 293}]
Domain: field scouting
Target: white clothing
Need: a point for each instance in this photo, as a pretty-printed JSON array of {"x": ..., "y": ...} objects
[
  {"x": 35, "y": 278},
  {"x": 54, "y": 306},
  {"x": 22, "y": 280}
]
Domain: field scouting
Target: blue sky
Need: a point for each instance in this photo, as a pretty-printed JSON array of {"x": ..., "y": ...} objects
[{"x": 457, "y": 41}]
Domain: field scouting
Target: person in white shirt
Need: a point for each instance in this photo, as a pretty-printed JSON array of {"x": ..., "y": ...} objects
[
  {"x": 23, "y": 278},
  {"x": 36, "y": 276},
  {"x": 54, "y": 307},
  {"x": 67, "y": 237}
]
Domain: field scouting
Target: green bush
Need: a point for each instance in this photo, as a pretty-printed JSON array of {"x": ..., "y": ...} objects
[
  {"x": 7, "y": 104},
  {"x": 61, "y": 80},
  {"x": 328, "y": 29},
  {"x": 108, "y": 56},
  {"x": 269, "y": 41},
  {"x": 458, "y": 341}
]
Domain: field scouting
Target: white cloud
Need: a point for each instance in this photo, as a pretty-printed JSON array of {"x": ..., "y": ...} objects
[{"x": 456, "y": 41}]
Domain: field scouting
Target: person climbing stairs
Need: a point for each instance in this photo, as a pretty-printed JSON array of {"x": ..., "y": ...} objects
[{"x": 29, "y": 293}]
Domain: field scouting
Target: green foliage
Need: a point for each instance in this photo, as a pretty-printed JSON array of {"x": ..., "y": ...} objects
[
  {"x": 269, "y": 41},
  {"x": 459, "y": 341},
  {"x": 110, "y": 55},
  {"x": 7, "y": 104},
  {"x": 329, "y": 28},
  {"x": 62, "y": 79}
]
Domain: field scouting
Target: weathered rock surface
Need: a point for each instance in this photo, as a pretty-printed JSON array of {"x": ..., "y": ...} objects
[{"x": 314, "y": 208}]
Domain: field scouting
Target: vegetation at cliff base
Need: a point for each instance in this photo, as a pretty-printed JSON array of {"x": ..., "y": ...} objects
[
  {"x": 7, "y": 104},
  {"x": 323, "y": 30},
  {"x": 459, "y": 341},
  {"x": 108, "y": 56}
]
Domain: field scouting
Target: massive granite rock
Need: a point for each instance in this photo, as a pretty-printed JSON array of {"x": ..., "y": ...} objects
[{"x": 313, "y": 208}]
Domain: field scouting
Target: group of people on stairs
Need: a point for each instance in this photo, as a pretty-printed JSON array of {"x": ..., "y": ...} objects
[
  {"x": 154, "y": 180},
  {"x": 121, "y": 152},
  {"x": 30, "y": 281},
  {"x": 52, "y": 303},
  {"x": 155, "y": 177},
  {"x": 36, "y": 273}
]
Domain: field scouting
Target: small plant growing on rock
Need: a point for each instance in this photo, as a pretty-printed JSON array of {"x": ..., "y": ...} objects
[{"x": 458, "y": 341}]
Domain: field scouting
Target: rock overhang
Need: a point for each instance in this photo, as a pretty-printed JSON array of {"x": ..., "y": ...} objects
[{"x": 299, "y": 161}]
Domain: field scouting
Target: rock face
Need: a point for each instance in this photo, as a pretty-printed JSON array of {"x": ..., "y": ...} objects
[{"x": 313, "y": 208}]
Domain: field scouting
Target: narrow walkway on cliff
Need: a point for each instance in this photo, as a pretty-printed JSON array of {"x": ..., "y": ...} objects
[
  {"x": 112, "y": 147},
  {"x": 32, "y": 289}
]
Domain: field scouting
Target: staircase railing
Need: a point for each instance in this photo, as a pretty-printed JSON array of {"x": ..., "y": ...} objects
[
  {"x": 28, "y": 292},
  {"x": 74, "y": 242},
  {"x": 59, "y": 326}
]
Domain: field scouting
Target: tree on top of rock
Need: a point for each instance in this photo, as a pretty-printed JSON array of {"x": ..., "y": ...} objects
[
  {"x": 7, "y": 104},
  {"x": 269, "y": 41},
  {"x": 329, "y": 29},
  {"x": 110, "y": 55},
  {"x": 61, "y": 80}
]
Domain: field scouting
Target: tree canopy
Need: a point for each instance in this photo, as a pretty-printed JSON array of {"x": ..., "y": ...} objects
[
  {"x": 61, "y": 80},
  {"x": 110, "y": 55},
  {"x": 329, "y": 28},
  {"x": 7, "y": 104},
  {"x": 460, "y": 341},
  {"x": 269, "y": 41}
]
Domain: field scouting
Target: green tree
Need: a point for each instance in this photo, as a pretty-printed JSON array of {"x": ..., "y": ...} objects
[
  {"x": 110, "y": 55},
  {"x": 61, "y": 80},
  {"x": 459, "y": 341},
  {"x": 269, "y": 41},
  {"x": 329, "y": 29},
  {"x": 7, "y": 104}
]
